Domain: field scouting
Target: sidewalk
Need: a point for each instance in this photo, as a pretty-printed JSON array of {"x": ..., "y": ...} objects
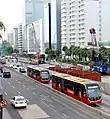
[{"x": 6, "y": 114}]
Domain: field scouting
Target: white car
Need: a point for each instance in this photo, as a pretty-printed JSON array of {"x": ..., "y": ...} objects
[
  {"x": 11, "y": 65},
  {"x": 18, "y": 101},
  {"x": 15, "y": 67}
]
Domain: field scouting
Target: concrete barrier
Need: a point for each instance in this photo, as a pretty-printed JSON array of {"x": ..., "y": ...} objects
[{"x": 90, "y": 112}]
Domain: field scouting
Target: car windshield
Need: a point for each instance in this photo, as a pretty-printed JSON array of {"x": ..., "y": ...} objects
[
  {"x": 20, "y": 99},
  {"x": 44, "y": 74},
  {"x": 22, "y": 69},
  {"x": 93, "y": 90}
]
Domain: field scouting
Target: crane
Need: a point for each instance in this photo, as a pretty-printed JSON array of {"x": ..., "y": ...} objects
[
  {"x": 96, "y": 56},
  {"x": 36, "y": 43},
  {"x": 40, "y": 58}
]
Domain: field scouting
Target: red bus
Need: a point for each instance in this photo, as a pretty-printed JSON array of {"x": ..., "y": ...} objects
[
  {"x": 81, "y": 89},
  {"x": 40, "y": 74}
]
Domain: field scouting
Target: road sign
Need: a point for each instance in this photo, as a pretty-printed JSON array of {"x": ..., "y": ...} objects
[{"x": 3, "y": 104}]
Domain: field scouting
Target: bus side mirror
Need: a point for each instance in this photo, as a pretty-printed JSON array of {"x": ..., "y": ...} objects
[{"x": 102, "y": 89}]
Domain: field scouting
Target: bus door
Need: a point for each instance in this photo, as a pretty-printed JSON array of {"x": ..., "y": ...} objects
[
  {"x": 69, "y": 90},
  {"x": 29, "y": 72},
  {"x": 77, "y": 92},
  {"x": 80, "y": 93},
  {"x": 56, "y": 83},
  {"x": 33, "y": 73},
  {"x": 37, "y": 75},
  {"x": 53, "y": 82}
]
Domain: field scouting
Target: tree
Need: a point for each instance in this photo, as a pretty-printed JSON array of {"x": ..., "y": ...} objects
[
  {"x": 16, "y": 51},
  {"x": 6, "y": 48},
  {"x": 65, "y": 48},
  {"x": 47, "y": 51},
  {"x": 2, "y": 27}
]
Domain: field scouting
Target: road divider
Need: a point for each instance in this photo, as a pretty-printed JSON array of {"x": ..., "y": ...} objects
[{"x": 91, "y": 112}]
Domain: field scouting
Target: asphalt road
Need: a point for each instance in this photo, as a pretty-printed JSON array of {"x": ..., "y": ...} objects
[{"x": 42, "y": 104}]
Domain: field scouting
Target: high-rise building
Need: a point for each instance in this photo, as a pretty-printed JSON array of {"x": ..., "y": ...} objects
[
  {"x": 34, "y": 10},
  {"x": 56, "y": 24},
  {"x": 15, "y": 30},
  {"x": 35, "y": 39},
  {"x": 47, "y": 25},
  {"x": 11, "y": 38},
  {"x": 77, "y": 17},
  {"x": 20, "y": 37}
]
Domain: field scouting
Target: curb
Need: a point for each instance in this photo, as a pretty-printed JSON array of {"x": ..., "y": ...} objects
[{"x": 81, "y": 107}]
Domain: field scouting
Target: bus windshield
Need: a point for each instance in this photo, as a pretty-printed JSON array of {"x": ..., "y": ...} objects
[
  {"x": 44, "y": 74},
  {"x": 93, "y": 90}
]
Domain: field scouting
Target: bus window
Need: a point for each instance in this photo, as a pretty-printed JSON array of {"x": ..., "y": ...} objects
[
  {"x": 36, "y": 72},
  {"x": 94, "y": 91},
  {"x": 44, "y": 74}
]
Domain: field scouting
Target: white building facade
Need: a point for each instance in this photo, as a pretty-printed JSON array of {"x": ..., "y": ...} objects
[
  {"x": 11, "y": 38},
  {"x": 34, "y": 10},
  {"x": 15, "y": 30},
  {"x": 20, "y": 36},
  {"x": 46, "y": 25},
  {"x": 35, "y": 37},
  {"x": 77, "y": 17},
  {"x": 56, "y": 24}
]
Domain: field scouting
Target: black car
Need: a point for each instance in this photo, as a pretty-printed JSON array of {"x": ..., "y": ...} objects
[
  {"x": 6, "y": 74},
  {"x": 22, "y": 70}
]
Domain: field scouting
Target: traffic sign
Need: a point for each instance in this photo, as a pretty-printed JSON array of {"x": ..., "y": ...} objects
[{"x": 3, "y": 104}]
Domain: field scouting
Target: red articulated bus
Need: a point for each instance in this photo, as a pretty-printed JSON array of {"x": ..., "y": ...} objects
[
  {"x": 38, "y": 73},
  {"x": 79, "y": 88}
]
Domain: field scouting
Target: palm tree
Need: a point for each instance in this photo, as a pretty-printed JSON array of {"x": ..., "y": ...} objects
[
  {"x": 71, "y": 49},
  {"x": 108, "y": 54},
  {"x": 65, "y": 49},
  {"x": 2, "y": 27},
  {"x": 86, "y": 53}
]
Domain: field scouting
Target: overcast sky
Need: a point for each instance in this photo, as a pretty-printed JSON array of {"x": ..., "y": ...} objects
[{"x": 11, "y": 12}]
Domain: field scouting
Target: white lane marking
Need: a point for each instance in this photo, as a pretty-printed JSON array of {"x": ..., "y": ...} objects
[
  {"x": 65, "y": 116},
  {"x": 19, "y": 92},
  {"x": 34, "y": 93},
  {"x": 13, "y": 87},
  {"x": 27, "y": 100},
  {"x": 52, "y": 106},
  {"x": 26, "y": 114},
  {"x": 24, "y": 86},
  {"x": 8, "y": 82},
  {"x": 5, "y": 93},
  {"x": 48, "y": 106},
  {"x": 41, "y": 99}
]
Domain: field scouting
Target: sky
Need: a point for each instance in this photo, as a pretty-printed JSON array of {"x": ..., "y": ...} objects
[{"x": 11, "y": 12}]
